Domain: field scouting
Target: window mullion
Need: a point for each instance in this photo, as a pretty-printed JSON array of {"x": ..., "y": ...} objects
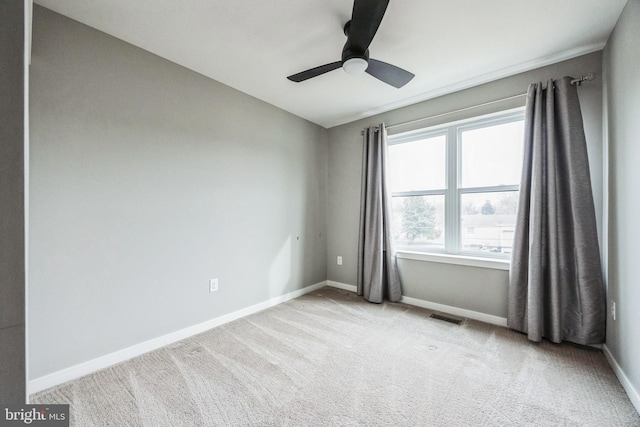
[
  {"x": 452, "y": 199},
  {"x": 490, "y": 189},
  {"x": 418, "y": 193}
]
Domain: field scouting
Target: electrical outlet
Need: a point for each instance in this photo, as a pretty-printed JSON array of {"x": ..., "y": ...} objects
[
  {"x": 613, "y": 310},
  {"x": 339, "y": 260},
  {"x": 213, "y": 285}
]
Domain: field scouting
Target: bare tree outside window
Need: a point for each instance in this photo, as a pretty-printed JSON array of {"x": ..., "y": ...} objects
[
  {"x": 470, "y": 208},
  {"x": 508, "y": 204}
]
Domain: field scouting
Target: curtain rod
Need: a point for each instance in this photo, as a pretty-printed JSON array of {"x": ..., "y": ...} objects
[
  {"x": 456, "y": 111},
  {"x": 578, "y": 81},
  {"x": 585, "y": 78}
]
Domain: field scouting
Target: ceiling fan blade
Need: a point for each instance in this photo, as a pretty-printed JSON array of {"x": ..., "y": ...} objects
[
  {"x": 390, "y": 74},
  {"x": 365, "y": 20},
  {"x": 315, "y": 72}
]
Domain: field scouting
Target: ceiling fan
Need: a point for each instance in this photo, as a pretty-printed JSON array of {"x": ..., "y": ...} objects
[{"x": 364, "y": 23}]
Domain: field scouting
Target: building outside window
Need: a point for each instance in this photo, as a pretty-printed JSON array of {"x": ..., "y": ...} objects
[{"x": 455, "y": 186}]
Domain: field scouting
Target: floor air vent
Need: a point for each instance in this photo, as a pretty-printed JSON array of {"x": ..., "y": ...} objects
[{"x": 446, "y": 319}]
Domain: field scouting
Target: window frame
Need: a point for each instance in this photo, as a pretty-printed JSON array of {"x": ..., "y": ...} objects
[{"x": 453, "y": 190}]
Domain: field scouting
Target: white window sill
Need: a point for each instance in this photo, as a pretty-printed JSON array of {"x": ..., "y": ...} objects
[{"x": 495, "y": 263}]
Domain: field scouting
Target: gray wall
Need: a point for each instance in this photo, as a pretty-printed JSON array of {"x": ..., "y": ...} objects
[
  {"x": 148, "y": 179},
  {"x": 12, "y": 224},
  {"x": 622, "y": 114},
  {"x": 471, "y": 288}
]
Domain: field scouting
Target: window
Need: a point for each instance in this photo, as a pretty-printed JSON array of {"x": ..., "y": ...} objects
[{"x": 455, "y": 186}]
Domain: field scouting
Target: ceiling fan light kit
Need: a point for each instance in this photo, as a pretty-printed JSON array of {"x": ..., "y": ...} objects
[
  {"x": 355, "y": 65},
  {"x": 365, "y": 20}
]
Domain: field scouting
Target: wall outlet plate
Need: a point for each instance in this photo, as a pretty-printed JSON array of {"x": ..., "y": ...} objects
[
  {"x": 213, "y": 285},
  {"x": 613, "y": 310}
]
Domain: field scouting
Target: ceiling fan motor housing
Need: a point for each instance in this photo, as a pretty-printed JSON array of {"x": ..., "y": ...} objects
[{"x": 353, "y": 61}]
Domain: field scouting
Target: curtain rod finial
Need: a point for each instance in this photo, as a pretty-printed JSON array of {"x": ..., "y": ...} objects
[{"x": 586, "y": 78}]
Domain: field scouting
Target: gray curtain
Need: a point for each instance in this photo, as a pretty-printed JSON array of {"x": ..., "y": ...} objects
[
  {"x": 377, "y": 268},
  {"x": 555, "y": 285}
]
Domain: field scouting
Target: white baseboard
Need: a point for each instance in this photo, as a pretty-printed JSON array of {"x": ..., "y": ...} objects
[
  {"x": 469, "y": 314},
  {"x": 85, "y": 368},
  {"x": 633, "y": 394},
  {"x": 343, "y": 286}
]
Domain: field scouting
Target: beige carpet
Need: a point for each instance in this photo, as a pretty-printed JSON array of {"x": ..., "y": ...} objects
[{"x": 329, "y": 358}]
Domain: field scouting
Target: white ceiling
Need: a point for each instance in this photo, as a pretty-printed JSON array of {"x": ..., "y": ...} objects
[{"x": 253, "y": 45}]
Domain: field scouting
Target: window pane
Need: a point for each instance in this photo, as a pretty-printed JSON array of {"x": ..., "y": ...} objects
[
  {"x": 418, "y": 222},
  {"x": 418, "y": 165},
  {"x": 487, "y": 221},
  {"x": 492, "y": 155}
]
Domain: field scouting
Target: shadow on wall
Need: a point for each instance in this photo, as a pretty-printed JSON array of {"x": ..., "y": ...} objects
[{"x": 301, "y": 258}]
